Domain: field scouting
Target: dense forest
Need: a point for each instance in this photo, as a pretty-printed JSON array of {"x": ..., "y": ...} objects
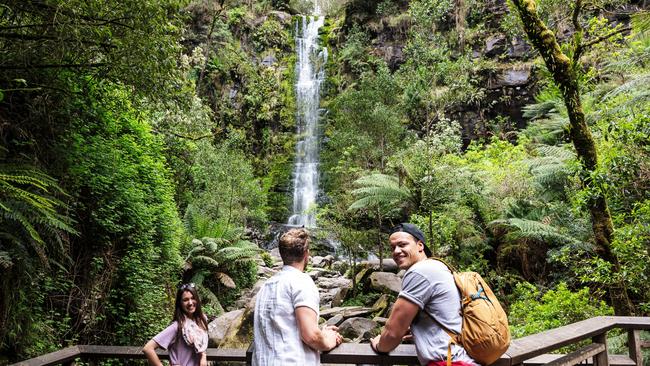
[{"x": 148, "y": 143}]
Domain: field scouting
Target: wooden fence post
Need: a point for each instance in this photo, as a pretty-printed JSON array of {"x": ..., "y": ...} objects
[
  {"x": 634, "y": 346},
  {"x": 249, "y": 354},
  {"x": 601, "y": 358}
]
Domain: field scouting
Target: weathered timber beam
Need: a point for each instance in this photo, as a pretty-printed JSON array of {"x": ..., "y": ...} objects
[
  {"x": 527, "y": 347},
  {"x": 520, "y": 351},
  {"x": 58, "y": 357},
  {"x": 580, "y": 355},
  {"x": 356, "y": 353}
]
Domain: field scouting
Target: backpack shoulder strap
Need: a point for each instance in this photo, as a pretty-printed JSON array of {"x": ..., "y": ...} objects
[
  {"x": 454, "y": 338},
  {"x": 451, "y": 268},
  {"x": 451, "y": 333}
]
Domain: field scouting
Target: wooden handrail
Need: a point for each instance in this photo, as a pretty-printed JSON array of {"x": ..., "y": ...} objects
[
  {"x": 520, "y": 349},
  {"x": 530, "y": 346}
]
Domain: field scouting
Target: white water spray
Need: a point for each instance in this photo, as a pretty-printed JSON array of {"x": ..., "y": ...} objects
[{"x": 310, "y": 71}]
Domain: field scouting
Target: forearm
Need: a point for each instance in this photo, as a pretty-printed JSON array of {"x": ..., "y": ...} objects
[
  {"x": 396, "y": 327},
  {"x": 149, "y": 351},
  {"x": 388, "y": 340},
  {"x": 318, "y": 340}
]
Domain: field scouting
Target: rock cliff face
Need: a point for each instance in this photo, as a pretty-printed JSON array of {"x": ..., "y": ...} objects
[{"x": 505, "y": 81}]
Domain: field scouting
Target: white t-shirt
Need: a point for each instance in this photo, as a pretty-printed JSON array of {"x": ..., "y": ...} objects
[
  {"x": 430, "y": 285},
  {"x": 276, "y": 334}
]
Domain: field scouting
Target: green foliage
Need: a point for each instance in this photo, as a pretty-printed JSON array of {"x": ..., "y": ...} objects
[
  {"x": 362, "y": 299},
  {"x": 27, "y": 209},
  {"x": 532, "y": 312},
  {"x": 221, "y": 265},
  {"x": 354, "y": 53},
  {"x": 379, "y": 191},
  {"x": 225, "y": 188},
  {"x": 114, "y": 169},
  {"x": 365, "y": 127},
  {"x": 428, "y": 13},
  {"x": 129, "y": 41},
  {"x": 268, "y": 259},
  {"x": 270, "y": 34}
]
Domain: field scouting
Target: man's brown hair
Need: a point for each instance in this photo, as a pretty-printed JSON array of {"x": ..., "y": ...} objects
[{"x": 293, "y": 245}]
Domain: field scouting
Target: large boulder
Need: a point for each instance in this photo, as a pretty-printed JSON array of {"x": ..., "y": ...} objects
[
  {"x": 335, "y": 320},
  {"x": 220, "y": 327},
  {"x": 322, "y": 262},
  {"x": 332, "y": 282},
  {"x": 495, "y": 45},
  {"x": 386, "y": 282},
  {"x": 519, "y": 49},
  {"x": 358, "y": 329},
  {"x": 247, "y": 298},
  {"x": 388, "y": 265},
  {"x": 339, "y": 295},
  {"x": 381, "y": 305},
  {"x": 346, "y": 311},
  {"x": 240, "y": 332},
  {"x": 340, "y": 266},
  {"x": 363, "y": 274},
  {"x": 518, "y": 76},
  {"x": 283, "y": 17}
]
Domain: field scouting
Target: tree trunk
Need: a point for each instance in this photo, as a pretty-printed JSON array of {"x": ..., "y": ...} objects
[
  {"x": 380, "y": 242},
  {"x": 564, "y": 75},
  {"x": 431, "y": 246}
]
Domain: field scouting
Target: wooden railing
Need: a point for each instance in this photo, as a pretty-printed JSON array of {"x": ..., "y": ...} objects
[{"x": 531, "y": 350}]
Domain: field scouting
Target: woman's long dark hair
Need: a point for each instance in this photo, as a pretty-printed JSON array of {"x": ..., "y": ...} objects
[{"x": 179, "y": 314}]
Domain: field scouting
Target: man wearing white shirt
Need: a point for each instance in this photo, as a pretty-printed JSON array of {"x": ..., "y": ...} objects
[{"x": 286, "y": 328}]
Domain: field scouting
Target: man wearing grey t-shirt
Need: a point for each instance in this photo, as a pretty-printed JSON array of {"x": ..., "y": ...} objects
[{"x": 428, "y": 293}]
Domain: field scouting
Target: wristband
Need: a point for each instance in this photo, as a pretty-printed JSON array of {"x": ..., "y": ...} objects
[{"x": 376, "y": 350}]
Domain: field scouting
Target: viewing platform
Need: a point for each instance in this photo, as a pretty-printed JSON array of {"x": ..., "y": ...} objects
[{"x": 530, "y": 350}]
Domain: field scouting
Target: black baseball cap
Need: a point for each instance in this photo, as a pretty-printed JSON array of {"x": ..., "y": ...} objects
[{"x": 415, "y": 232}]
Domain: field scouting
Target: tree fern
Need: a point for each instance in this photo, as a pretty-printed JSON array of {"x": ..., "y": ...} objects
[
  {"x": 214, "y": 258},
  {"x": 28, "y": 209},
  {"x": 226, "y": 280},
  {"x": 641, "y": 22},
  {"x": 377, "y": 190},
  {"x": 238, "y": 253},
  {"x": 516, "y": 229},
  {"x": 550, "y": 170}
]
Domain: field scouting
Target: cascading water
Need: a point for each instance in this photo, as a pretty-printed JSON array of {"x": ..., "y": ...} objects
[{"x": 310, "y": 75}]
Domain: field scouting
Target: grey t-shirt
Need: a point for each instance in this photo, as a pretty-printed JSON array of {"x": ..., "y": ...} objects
[{"x": 430, "y": 285}]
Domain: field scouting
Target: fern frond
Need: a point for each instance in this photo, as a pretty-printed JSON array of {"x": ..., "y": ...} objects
[
  {"x": 637, "y": 85},
  {"x": 561, "y": 152},
  {"x": 5, "y": 260},
  {"x": 198, "y": 278},
  {"x": 531, "y": 229},
  {"x": 232, "y": 254},
  {"x": 226, "y": 280},
  {"x": 549, "y": 174},
  {"x": 640, "y": 22},
  {"x": 539, "y": 110},
  {"x": 208, "y": 297},
  {"x": 377, "y": 190},
  {"x": 204, "y": 261}
]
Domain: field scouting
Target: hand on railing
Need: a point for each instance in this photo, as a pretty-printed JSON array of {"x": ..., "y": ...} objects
[{"x": 330, "y": 332}]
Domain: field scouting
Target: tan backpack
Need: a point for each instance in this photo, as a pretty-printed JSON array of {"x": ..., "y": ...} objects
[{"x": 485, "y": 334}]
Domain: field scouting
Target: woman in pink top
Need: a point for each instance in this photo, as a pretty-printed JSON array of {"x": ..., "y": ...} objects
[{"x": 186, "y": 338}]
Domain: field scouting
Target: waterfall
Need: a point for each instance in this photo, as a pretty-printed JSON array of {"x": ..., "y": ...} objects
[{"x": 310, "y": 74}]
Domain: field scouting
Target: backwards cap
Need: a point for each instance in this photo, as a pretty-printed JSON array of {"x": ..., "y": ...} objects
[{"x": 415, "y": 232}]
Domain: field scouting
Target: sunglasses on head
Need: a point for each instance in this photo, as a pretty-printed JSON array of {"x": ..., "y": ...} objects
[{"x": 187, "y": 286}]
